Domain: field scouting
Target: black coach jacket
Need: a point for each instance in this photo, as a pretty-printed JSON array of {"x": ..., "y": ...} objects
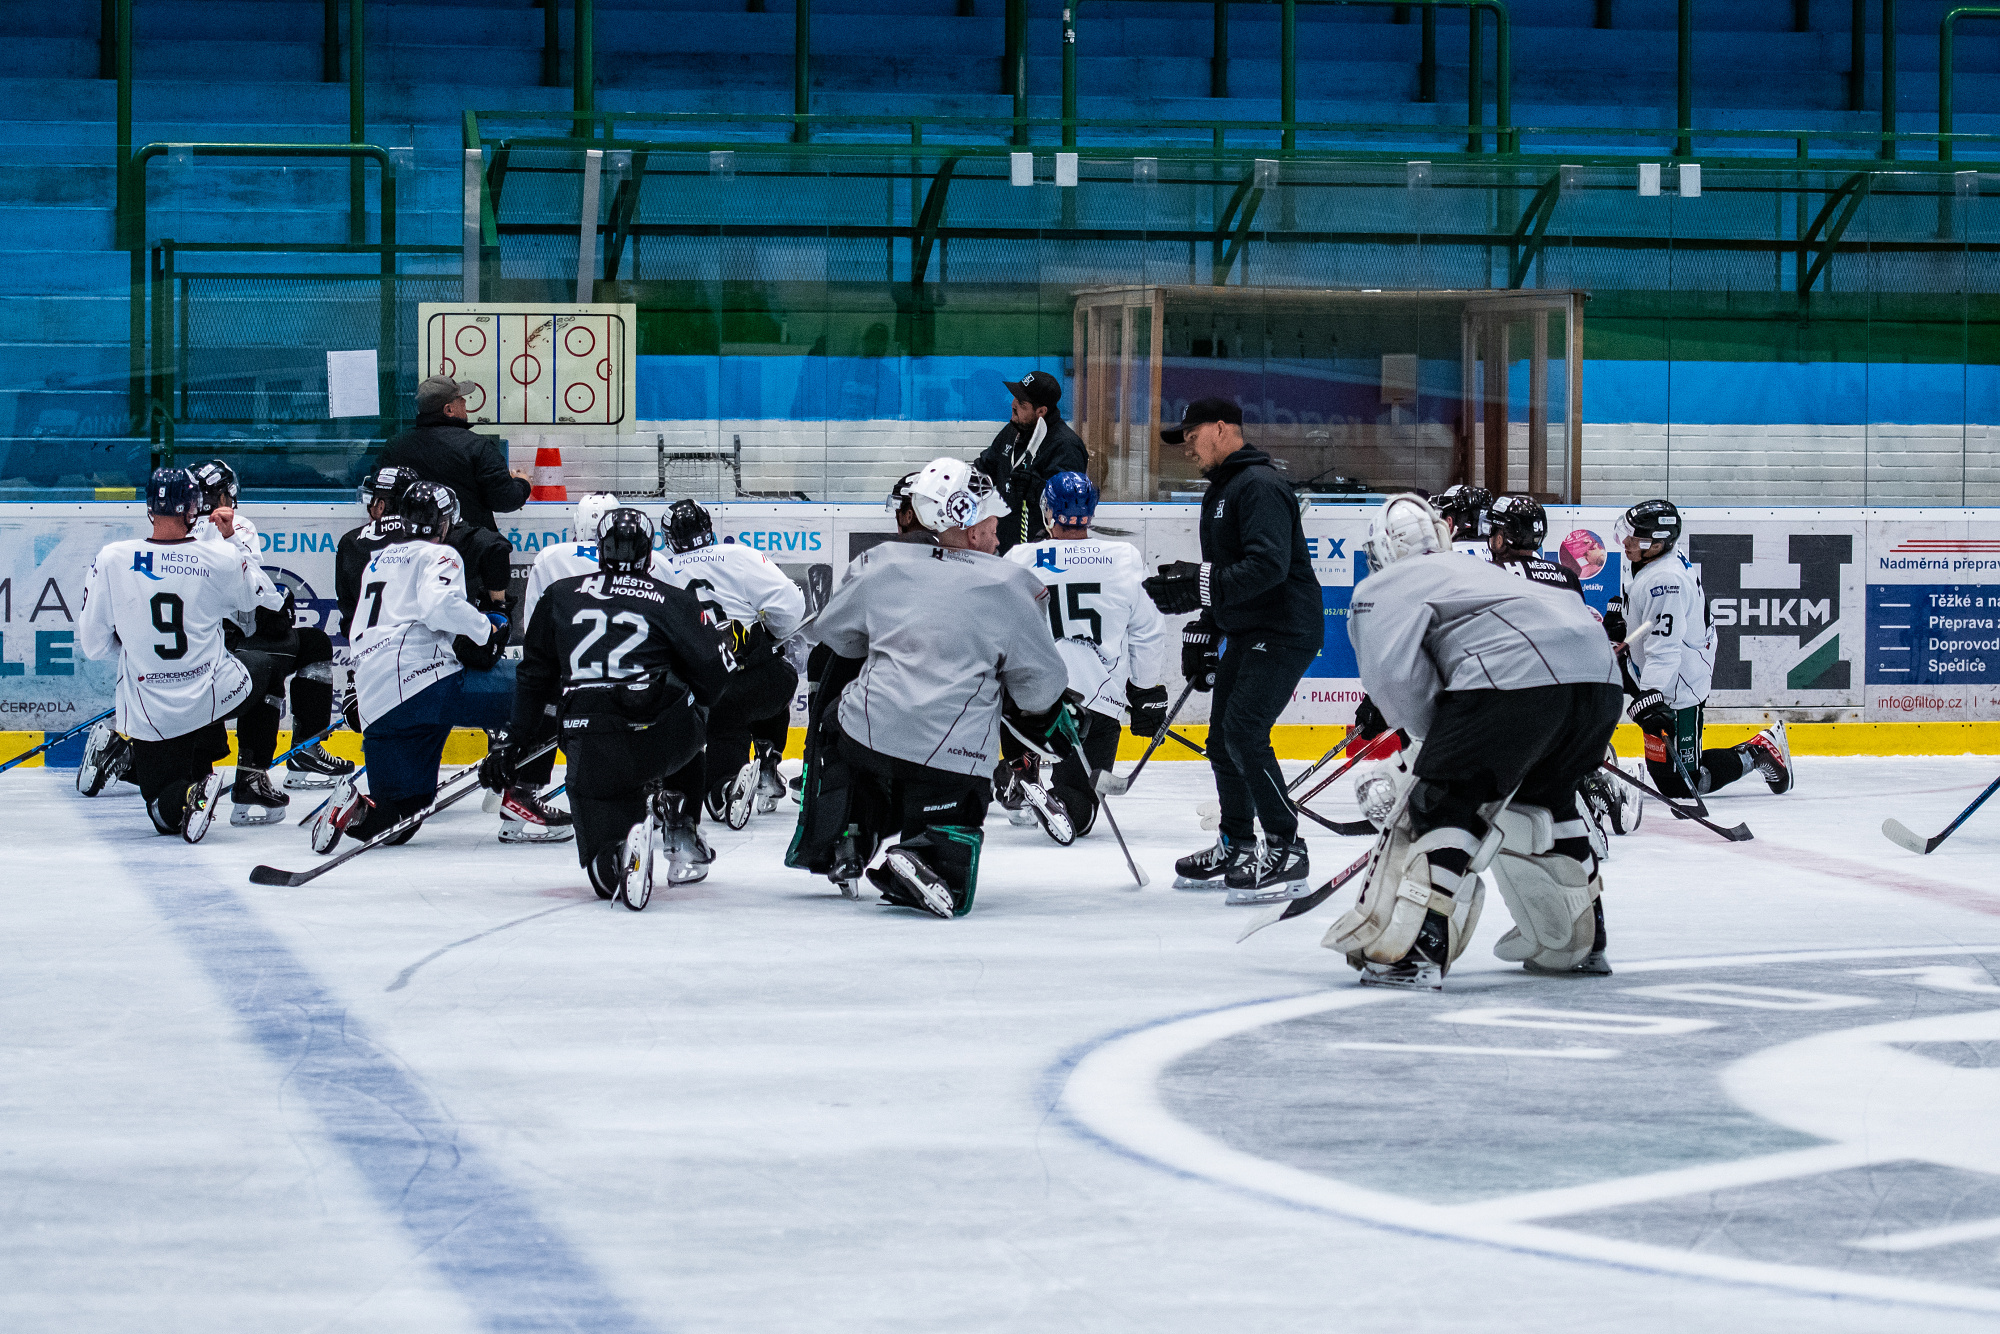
[{"x": 1262, "y": 581}]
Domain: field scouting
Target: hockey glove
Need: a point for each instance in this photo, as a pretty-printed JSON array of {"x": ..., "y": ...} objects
[
  {"x": 1054, "y": 727},
  {"x": 1149, "y": 709},
  {"x": 1614, "y": 625},
  {"x": 496, "y": 771},
  {"x": 479, "y": 657},
  {"x": 1201, "y": 655},
  {"x": 1179, "y": 587},
  {"x": 1368, "y": 720},
  {"x": 350, "y": 709},
  {"x": 1651, "y": 711}
]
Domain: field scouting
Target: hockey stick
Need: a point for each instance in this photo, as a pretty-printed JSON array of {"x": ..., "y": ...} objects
[
  {"x": 1119, "y": 834},
  {"x": 1740, "y": 834},
  {"x": 1321, "y": 762},
  {"x": 1110, "y": 784},
  {"x": 1299, "y": 907},
  {"x": 271, "y": 875},
  {"x": 27, "y": 755},
  {"x": 1197, "y": 749},
  {"x": 307, "y": 817},
  {"x": 1346, "y": 828},
  {"x": 1367, "y": 752},
  {"x": 1899, "y": 833},
  {"x": 308, "y": 743}
]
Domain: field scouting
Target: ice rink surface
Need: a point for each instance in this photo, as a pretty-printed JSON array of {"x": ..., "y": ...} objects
[{"x": 445, "y": 1088}]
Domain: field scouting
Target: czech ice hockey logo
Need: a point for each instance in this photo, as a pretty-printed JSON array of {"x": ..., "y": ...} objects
[
  {"x": 1830, "y": 1112},
  {"x": 962, "y": 508}
]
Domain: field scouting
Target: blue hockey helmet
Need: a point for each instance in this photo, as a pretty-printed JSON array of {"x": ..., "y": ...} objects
[
  {"x": 171, "y": 493},
  {"x": 1070, "y": 499}
]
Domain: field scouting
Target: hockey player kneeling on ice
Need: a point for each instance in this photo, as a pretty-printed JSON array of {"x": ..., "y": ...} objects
[
  {"x": 759, "y": 605},
  {"x": 1673, "y": 661},
  {"x": 425, "y": 661},
  {"x": 621, "y": 659},
  {"x": 159, "y": 603},
  {"x": 1112, "y": 638},
  {"x": 923, "y": 639},
  {"x": 1512, "y": 694}
]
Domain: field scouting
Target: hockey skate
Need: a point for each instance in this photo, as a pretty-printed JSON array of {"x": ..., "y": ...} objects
[
  {"x": 1277, "y": 873},
  {"x": 1771, "y": 752},
  {"x": 347, "y": 805},
  {"x": 740, "y": 796},
  {"x": 1594, "y": 965},
  {"x": 526, "y": 818},
  {"x": 688, "y": 854},
  {"x": 1009, "y": 776},
  {"x": 1208, "y": 868},
  {"x": 636, "y": 865},
  {"x": 254, "y": 800},
  {"x": 315, "y": 767},
  {"x": 1051, "y": 814},
  {"x": 798, "y": 786},
  {"x": 770, "y": 782},
  {"x": 905, "y": 879},
  {"x": 201, "y": 799},
  {"x": 1422, "y": 969},
  {"x": 846, "y": 869},
  {"x": 106, "y": 758}
]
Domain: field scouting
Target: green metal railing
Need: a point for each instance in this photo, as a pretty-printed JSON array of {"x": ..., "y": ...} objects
[{"x": 1945, "y": 138}]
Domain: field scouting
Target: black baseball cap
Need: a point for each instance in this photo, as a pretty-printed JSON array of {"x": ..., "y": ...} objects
[
  {"x": 1199, "y": 411},
  {"x": 1037, "y": 388}
]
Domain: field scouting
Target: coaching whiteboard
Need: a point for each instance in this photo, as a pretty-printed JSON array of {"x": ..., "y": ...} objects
[{"x": 569, "y": 367}]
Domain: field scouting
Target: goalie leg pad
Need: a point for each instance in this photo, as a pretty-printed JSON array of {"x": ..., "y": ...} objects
[
  {"x": 1403, "y": 885},
  {"x": 1549, "y": 895}
]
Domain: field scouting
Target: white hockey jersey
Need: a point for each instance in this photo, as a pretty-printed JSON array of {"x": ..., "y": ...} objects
[
  {"x": 565, "y": 560},
  {"x": 1676, "y": 655},
  {"x": 412, "y": 606},
  {"x": 738, "y": 583},
  {"x": 243, "y": 537},
  {"x": 1106, "y": 628},
  {"x": 159, "y": 605}
]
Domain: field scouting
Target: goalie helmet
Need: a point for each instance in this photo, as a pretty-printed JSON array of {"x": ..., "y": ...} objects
[
  {"x": 1520, "y": 520},
  {"x": 589, "y": 513},
  {"x": 426, "y": 509},
  {"x": 1464, "y": 507},
  {"x": 217, "y": 481},
  {"x": 625, "y": 542},
  {"x": 1070, "y": 499},
  {"x": 951, "y": 493},
  {"x": 1405, "y": 526},
  {"x": 689, "y": 527},
  {"x": 1652, "y": 520},
  {"x": 171, "y": 493}
]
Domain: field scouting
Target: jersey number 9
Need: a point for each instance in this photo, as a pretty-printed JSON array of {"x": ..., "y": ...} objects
[{"x": 167, "y": 620}]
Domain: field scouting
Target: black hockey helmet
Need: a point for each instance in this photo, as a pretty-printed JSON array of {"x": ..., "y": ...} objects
[
  {"x": 172, "y": 494},
  {"x": 688, "y": 527},
  {"x": 899, "y": 494},
  {"x": 425, "y": 511},
  {"x": 1464, "y": 507},
  {"x": 625, "y": 541},
  {"x": 385, "y": 485},
  {"x": 217, "y": 481},
  {"x": 1650, "y": 520},
  {"x": 450, "y": 501},
  {"x": 1520, "y": 520}
]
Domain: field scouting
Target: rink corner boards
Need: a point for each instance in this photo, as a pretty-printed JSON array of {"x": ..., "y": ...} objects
[{"x": 1292, "y": 741}]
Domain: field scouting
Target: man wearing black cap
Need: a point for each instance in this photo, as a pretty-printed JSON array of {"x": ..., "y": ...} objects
[
  {"x": 442, "y": 448},
  {"x": 1254, "y": 586},
  {"x": 1034, "y": 445}
]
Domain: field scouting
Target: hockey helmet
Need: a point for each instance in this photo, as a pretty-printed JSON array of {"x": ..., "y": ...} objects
[
  {"x": 217, "y": 481},
  {"x": 625, "y": 541},
  {"x": 172, "y": 494},
  {"x": 1069, "y": 498},
  {"x": 1520, "y": 520},
  {"x": 1406, "y": 525},
  {"x": 1464, "y": 507},
  {"x": 1650, "y": 520},
  {"x": 385, "y": 486},
  {"x": 689, "y": 527},
  {"x": 425, "y": 510},
  {"x": 899, "y": 494},
  {"x": 449, "y": 499},
  {"x": 589, "y": 514},
  {"x": 951, "y": 493}
]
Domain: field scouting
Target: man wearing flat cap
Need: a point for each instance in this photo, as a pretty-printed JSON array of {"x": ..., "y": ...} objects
[
  {"x": 1255, "y": 589},
  {"x": 443, "y": 448},
  {"x": 1034, "y": 445}
]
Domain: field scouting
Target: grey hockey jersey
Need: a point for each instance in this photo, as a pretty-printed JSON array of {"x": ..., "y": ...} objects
[
  {"x": 1431, "y": 623},
  {"x": 942, "y": 631}
]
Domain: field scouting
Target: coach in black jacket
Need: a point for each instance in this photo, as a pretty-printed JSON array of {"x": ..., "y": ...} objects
[
  {"x": 441, "y": 448},
  {"x": 1034, "y": 445},
  {"x": 1255, "y": 588}
]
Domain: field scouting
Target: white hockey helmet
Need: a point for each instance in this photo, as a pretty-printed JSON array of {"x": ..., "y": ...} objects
[
  {"x": 951, "y": 493},
  {"x": 1406, "y": 525},
  {"x": 590, "y": 512}
]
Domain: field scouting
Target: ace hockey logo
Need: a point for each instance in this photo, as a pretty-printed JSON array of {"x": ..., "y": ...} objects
[
  {"x": 1818, "y": 1121},
  {"x": 1804, "y": 611}
]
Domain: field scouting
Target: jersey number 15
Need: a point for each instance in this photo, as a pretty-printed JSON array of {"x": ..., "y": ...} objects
[{"x": 1073, "y": 595}]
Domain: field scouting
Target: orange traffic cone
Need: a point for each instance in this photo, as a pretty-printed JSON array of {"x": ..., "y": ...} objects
[{"x": 548, "y": 475}]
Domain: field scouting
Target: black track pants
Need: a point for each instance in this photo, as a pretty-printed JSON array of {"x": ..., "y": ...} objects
[{"x": 1252, "y": 687}]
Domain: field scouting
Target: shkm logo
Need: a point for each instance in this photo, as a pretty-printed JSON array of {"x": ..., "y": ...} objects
[{"x": 1803, "y": 613}]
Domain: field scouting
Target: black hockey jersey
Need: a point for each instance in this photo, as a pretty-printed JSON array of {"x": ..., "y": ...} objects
[
  {"x": 351, "y": 557},
  {"x": 1538, "y": 571},
  {"x": 615, "y": 653}
]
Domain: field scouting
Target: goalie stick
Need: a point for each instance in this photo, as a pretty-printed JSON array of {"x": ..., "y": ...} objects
[
  {"x": 27, "y": 755},
  {"x": 1300, "y": 907},
  {"x": 1740, "y": 834},
  {"x": 271, "y": 875},
  {"x": 1901, "y": 835}
]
